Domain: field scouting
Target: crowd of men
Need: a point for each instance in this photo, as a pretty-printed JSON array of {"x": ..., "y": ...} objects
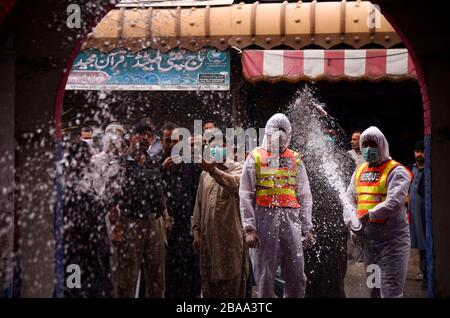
[{"x": 141, "y": 222}]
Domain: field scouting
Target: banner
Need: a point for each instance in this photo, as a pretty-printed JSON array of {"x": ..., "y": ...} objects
[{"x": 152, "y": 70}]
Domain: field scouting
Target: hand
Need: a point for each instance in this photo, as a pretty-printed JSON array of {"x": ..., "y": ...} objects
[
  {"x": 196, "y": 245},
  {"x": 309, "y": 240},
  {"x": 133, "y": 145},
  {"x": 365, "y": 218},
  {"x": 167, "y": 221},
  {"x": 355, "y": 238},
  {"x": 251, "y": 239},
  {"x": 114, "y": 215},
  {"x": 207, "y": 166},
  {"x": 168, "y": 163}
]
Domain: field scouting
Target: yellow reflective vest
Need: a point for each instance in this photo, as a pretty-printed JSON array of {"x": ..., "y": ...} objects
[
  {"x": 276, "y": 178},
  {"x": 371, "y": 186}
]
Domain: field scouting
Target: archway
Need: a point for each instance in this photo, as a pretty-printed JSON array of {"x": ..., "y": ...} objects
[{"x": 427, "y": 122}]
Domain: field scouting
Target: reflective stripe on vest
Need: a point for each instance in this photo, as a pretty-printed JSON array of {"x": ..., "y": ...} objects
[
  {"x": 276, "y": 178},
  {"x": 371, "y": 186}
]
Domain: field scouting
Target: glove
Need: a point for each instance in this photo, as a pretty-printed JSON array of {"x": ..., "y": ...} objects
[
  {"x": 309, "y": 239},
  {"x": 355, "y": 238}
]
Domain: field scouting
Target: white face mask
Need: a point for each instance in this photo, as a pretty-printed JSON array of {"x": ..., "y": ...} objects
[{"x": 88, "y": 141}]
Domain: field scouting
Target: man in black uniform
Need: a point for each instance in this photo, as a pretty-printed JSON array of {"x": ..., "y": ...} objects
[
  {"x": 180, "y": 180},
  {"x": 140, "y": 230}
]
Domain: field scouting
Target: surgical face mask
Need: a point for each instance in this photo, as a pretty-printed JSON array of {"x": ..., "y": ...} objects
[
  {"x": 210, "y": 131},
  {"x": 88, "y": 141},
  {"x": 370, "y": 154},
  {"x": 219, "y": 154},
  {"x": 330, "y": 140}
]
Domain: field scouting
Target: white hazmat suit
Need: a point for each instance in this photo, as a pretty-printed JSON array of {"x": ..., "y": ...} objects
[
  {"x": 279, "y": 229},
  {"x": 386, "y": 245}
]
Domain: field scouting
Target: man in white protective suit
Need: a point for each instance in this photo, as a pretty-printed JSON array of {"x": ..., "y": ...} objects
[
  {"x": 379, "y": 189},
  {"x": 276, "y": 206}
]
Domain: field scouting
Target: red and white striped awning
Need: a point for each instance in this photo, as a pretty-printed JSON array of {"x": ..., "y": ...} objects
[{"x": 333, "y": 65}]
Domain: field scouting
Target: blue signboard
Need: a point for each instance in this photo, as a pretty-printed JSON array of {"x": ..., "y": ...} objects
[{"x": 206, "y": 69}]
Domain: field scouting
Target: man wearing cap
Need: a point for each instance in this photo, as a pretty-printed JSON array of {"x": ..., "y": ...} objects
[{"x": 140, "y": 231}]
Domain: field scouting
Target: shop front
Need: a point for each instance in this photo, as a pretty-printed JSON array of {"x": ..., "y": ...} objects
[{"x": 226, "y": 63}]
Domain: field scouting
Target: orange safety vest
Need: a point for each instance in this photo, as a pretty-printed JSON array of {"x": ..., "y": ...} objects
[
  {"x": 371, "y": 186},
  {"x": 276, "y": 178}
]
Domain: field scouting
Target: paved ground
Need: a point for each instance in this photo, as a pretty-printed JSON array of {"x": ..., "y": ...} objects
[{"x": 355, "y": 282}]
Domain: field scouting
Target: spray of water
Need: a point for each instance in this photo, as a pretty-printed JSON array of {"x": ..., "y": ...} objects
[{"x": 315, "y": 133}]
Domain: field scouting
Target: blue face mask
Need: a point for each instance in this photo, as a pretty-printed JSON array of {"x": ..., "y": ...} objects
[
  {"x": 219, "y": 154},
  {"x": 370, "y": 154},
  {"x": 330, "y": 140}
]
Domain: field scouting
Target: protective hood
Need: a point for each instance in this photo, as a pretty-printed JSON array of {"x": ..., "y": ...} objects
[
  {"x": 111, "y": 138},
  {"x": 114, "y": 127},
  {"x": 373, "y": 133},
  {"x": 277, "y": 126}
]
